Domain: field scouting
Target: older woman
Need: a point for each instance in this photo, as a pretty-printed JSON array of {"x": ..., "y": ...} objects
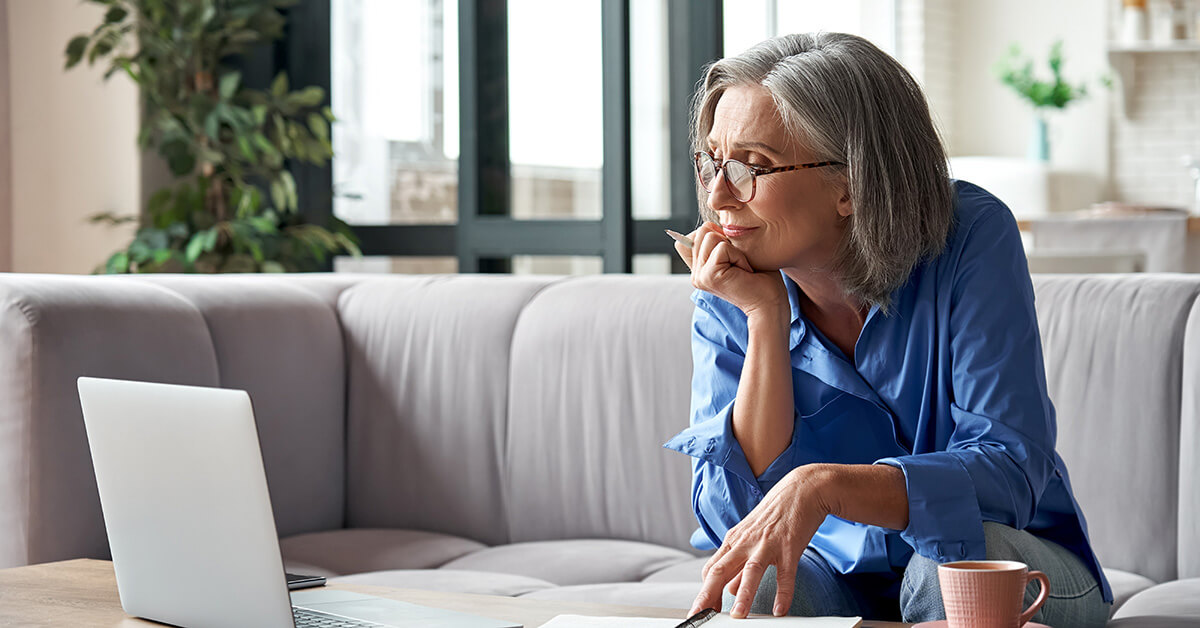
[{"x": 869, "y": 398}]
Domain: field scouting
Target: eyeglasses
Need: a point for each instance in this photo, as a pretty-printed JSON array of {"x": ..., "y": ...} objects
[{"x": 742, "y": 179}]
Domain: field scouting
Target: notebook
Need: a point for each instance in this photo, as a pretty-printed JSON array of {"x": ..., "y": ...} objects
[{"x": 722, "y": 620}]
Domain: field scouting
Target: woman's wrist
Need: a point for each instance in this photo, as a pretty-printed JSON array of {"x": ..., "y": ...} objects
[
  {"x": 772, "y": 316},
  {"x": 821, "y": 482}
]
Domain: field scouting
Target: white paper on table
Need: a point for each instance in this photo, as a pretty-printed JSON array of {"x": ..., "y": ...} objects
[{"x": 719, "y": 621}]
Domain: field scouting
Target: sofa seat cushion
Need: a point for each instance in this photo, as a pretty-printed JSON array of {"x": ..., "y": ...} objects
[
  {"x": 687, "y": 571},
  {"x": 577, "y": 561},
  {"x": 1174, "y": 603},
  {"x": 449, "y": 580},
  {"x": 662, "y": 594},
  {"x": 1125, "y": 585},
  {"x": 358, "y": 550}
]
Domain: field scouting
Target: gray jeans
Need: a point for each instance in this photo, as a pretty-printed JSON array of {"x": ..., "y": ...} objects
[{"x": 1075, "y": 598}]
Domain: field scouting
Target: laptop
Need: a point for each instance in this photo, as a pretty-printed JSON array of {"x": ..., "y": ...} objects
[{"x": 189, "y": 518}]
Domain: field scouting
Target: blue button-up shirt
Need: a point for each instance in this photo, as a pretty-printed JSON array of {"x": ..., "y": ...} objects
[{"x": 949, "y": 387}]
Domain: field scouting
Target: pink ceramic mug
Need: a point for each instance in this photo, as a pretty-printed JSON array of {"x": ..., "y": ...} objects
[{"x": 988, "y": 593}]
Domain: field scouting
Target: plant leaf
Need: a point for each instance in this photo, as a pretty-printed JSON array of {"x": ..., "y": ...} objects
[
  {"x": 279, "y": 87},
  {"x": 289, "y": 188},
  {"x": 117, "y": 263},
  {"x": 247, "y": 151},
  {"x": 311, "y": 96},
  {"x": 210, "y": 238},
  {"x": 115, "y": 14},
  {"x": 279, "y": 196},
  {"x": 229, "y": 84},
  {"x": 75, "y": 50},
  {"x": 194, "y": 247},
  {"x": 319, "y": 126}
]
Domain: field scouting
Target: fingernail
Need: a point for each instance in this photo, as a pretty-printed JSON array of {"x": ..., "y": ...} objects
[
  {"x": 739, "y": 609},
  {"x": 780, "y": 610}
]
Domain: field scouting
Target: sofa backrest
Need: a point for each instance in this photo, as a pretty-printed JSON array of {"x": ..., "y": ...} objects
[
  {"x": 600, "y": 378},
  {"x": 1113, "y": 347},
  {"x": 428, "y": 375},
  {"x": 281, "y": 341}
]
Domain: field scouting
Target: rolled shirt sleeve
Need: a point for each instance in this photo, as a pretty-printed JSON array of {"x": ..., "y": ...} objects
[
  {"x": 724, "y": 488},
  {"x": 998, "y": 458}
]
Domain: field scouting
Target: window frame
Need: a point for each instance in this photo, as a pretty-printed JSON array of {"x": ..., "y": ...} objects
[{"x": 486, "y": 235}]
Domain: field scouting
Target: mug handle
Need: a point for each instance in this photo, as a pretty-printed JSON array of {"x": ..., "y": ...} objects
[{"x": 1041, "y": 598}]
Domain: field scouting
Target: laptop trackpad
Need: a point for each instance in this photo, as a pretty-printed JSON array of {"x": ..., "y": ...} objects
[{"x": 390, "y": 612}]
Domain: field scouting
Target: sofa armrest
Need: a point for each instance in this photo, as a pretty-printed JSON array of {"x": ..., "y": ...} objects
[{"x": 54, "y": 329}]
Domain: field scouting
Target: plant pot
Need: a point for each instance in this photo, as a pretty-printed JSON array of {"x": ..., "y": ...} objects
[{"x": 1039, "y": 140}]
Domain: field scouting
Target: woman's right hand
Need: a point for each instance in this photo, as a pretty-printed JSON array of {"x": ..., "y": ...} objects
[{"x": 721, "y": 269}]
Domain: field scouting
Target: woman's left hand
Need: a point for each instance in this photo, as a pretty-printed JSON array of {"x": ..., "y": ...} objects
[{"x": 776, "y": 533}]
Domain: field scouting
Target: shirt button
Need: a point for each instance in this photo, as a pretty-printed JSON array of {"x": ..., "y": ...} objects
[
  {"x": 1058, "y": 473},
  {"x": 708, "y": 447},
  {"x": 691, "y": 441},
  {"x": 962, "y": 548}
]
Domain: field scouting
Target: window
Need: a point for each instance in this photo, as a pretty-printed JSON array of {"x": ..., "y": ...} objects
[
  {"x": 395, "y": 94},
  {"x": 503, "y": 133},
  {"x": 748, "y": 22},
  {"x": 555, "y": 108}
]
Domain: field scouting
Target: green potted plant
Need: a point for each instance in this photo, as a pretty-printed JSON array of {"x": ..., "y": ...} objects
[
  {"x": 1016, "y": 71},
  {"x": 233, "y": 206}
]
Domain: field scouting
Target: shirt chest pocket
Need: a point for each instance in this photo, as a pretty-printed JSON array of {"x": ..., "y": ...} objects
[{"x": 846, "y": 430}]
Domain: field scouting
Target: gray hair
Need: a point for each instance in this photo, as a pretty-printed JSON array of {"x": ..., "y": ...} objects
[{"x": 848, "y": 101}]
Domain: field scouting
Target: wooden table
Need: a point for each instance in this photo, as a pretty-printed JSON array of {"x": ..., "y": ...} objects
[{"x": 84, "y": 593}]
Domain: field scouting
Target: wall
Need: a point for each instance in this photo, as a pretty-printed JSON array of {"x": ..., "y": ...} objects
[
  {"x": 73, "y": 142},
  {"x": 5, "y": 150},
  {"x": 925, "y": 45},
  {"x": 1162, "y": 125},
  {"x": 990, "y": 119}
]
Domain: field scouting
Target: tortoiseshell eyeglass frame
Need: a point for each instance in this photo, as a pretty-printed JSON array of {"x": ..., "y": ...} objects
[{"x": 755, "y": 172}]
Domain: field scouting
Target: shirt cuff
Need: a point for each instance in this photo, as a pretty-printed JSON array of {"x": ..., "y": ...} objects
[
  {"x": 713, "y": 441},
  {"x": 944, "y": 522}
]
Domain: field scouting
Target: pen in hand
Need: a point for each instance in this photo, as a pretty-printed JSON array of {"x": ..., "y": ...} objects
[
  {"x": 699, "y": 618},
  {"x": 680, "y": 238}
]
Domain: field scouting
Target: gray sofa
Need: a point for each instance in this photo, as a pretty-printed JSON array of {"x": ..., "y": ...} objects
[{"x": 499, "y": 434}]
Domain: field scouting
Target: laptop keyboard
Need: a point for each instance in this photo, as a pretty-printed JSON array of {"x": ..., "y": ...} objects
[{"x": 308, "y": 618}]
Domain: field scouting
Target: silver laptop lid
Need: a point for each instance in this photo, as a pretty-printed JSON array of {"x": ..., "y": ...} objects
[{"x": 185, "y": 502}]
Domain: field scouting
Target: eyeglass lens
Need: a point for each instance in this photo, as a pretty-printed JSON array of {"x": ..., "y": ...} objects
[{"x": 738, "y": 177}]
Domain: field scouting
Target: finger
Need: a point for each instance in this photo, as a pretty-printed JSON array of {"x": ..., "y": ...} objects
[
  {"x": 720, "y": 571},
  {"x": 738, "y": 258},
  {"x": 709, "y": 597},
  {"x": 712, "y": 560},
  {"x": 697, "y": 236},
  {"x": 752, "y": 575},
  {"x": 708, "y": 241},
  {"x": 732, "y": 589},
  {"x": 724, "y": 254},
  {"x": 685, "y": 252},
  {"x": 785, "y": 586}
]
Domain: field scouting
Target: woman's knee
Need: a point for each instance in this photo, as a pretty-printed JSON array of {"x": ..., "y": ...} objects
[{"x": 920, "y": 593}]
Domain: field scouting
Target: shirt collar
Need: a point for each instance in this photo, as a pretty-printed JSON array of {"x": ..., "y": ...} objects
[{"x": 793, "y": 292}]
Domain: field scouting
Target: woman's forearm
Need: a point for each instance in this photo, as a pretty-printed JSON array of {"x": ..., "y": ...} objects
[
  {"x": 873, "y": 494},
  {"x": 764, "y": 409}
]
